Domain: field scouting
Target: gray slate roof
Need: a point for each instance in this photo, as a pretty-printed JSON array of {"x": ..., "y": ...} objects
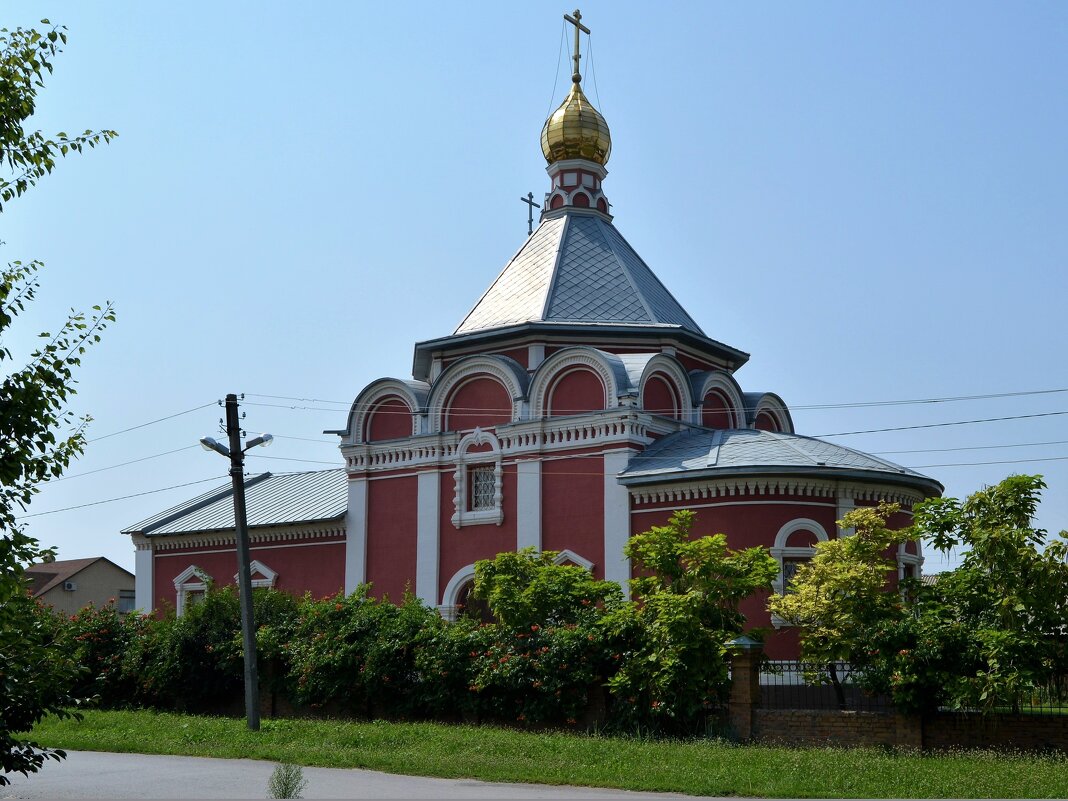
[
  {"x": 739, "y": 451},
  {"x": 270, "y": 500},
  {"x": 577, "y": 268}
]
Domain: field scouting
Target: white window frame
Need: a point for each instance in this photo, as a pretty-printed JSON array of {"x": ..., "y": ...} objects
[
  {"x": 780, "y": 552},
  {"x": 190, "y": 580},
  {"x": 256, "y": 566},
  {"x": 463, "y": 514}
]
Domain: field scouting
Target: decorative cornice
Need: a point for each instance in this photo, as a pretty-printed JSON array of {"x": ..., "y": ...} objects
[
  {"x": 614, "y": 427},
  {"x": 742, "y": 486},
  {"x": 256, "y": 536}
]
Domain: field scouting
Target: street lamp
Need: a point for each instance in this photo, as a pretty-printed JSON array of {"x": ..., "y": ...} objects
[{"x": 236, "y": 454}]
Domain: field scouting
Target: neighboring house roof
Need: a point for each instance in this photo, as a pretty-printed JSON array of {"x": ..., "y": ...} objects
[
  {"x": 577, "y": 269},
  {"x": 270, "y": 500},
  {"x": 47, "y": 575},
  {"x": 930, "y": 579},
  {"x": 738, "y": 452}
]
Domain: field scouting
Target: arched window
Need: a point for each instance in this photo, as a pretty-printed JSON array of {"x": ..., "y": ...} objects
[
  {"x": 794, "y": 545},
  {"x": 716, "y": 411},
  {"x": 470, "y": 607}
]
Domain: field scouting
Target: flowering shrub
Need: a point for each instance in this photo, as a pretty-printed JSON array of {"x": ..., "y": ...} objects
[
  {"x": 98, "y": 638},
  {"x": 357, "y": 653}
]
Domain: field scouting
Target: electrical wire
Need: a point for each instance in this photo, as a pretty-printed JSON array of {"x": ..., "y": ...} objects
[
  {"x": 122, "y": 464},
  {"x": 972, "y": 448},
  {"x": 798, "y": 407},
  {"x": 152, "y": 422},
  {"x": 120, "y": 498},
  {"x": 941, "y": 425}
]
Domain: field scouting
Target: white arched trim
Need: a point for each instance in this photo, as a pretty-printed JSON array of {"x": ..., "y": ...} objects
[
  {"x": 463, "y": 514},
  {"x": 256, "y": 566},
  {"x": 564, "y": 361},
  {"x": 772, "y": 404},
  {"x": 725, "y": 385},
  {"x": 780, "y": 552},
  {"x": 376, "y": 392},
  {"x": 507, "y": 372},
  {"x": 190, "y": 581},
  {"x": 909, "y": 563},
  {"x": 451, "y": 596},
  {"x": 675, "y": 374},
  {"x": 567, "y": 555}
]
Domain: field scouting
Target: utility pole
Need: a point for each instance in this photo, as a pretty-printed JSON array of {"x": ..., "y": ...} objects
[
  {"x": 236, "y": 454},
  {"x": 244, "y": 571}
]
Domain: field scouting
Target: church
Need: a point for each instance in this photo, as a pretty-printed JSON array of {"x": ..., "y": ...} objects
[{"x": 577, "y": 403}]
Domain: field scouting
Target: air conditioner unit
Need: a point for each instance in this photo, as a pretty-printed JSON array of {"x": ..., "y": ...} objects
[{"x": 70, "y": 586}]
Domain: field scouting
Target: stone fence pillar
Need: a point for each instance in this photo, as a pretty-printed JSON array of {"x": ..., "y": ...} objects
[{"x": 745, "y": 655}]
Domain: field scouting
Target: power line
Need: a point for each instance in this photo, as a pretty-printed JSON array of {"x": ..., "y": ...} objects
[
  {"x": 120, "y": 498},
  {"x": 806, "y": 407},
  {"x": 122, "y": 464},
  {"x": 289, "y": 459},
  {"x": 941, "y": 425},
  {"x": 1006, "y": 461},
  {"x": 972, "y": 448},
  {"x": 153, "y": 422}
]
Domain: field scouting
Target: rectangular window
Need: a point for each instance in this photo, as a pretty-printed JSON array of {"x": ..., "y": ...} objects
[
  {"x": 789, "y": 570},
  {"x": 483, "y": 488},
  {"x": 126, "y": 601}
]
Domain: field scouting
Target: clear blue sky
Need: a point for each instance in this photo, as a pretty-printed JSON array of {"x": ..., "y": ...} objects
[{"x": 871, "y": 199}]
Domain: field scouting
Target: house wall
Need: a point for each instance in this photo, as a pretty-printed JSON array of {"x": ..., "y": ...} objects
[
  {"x": 308, "y": 564},
  {"x": 98, "y": 584}
]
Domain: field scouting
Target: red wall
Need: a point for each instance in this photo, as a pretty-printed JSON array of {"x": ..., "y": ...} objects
[
  {"x": 464, "y": 546},
  {"x": 658, "y": 397},
  {"x": 315, "y": 565},
  {"x": 714, "y": 411},
  {"x": 766, "y": 422},
  {"x": 572, "y": 508},
  {"x": 575, "y": 392},
  {"x": 747, "y": 526},
  {"x": 390, "y": 419},
  {"x": 391, "y": 535},
  {"x": 480, "y": 402}
]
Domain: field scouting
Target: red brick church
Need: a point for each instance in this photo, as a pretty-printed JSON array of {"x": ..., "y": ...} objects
[{"x": 575, "y": 404}]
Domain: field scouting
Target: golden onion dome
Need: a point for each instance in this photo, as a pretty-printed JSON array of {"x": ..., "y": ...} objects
[{"x": 576, "y": 130}]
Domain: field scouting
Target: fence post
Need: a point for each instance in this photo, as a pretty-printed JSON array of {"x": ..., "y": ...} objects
[{"x": 745, "y": 654}]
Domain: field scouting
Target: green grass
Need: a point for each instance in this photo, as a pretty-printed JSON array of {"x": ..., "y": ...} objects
[{"x": 493, "y": 754}]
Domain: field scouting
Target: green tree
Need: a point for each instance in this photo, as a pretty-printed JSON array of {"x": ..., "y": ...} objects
[
  {"x": 689, "y": 591},
  {"x": 528, "y": 588},
  {"x": 839, "y": 597},
  {"x": 988, "y": 634},
  {"x": 1010, "y": 592},
  {"x": 38, "y": 435}
]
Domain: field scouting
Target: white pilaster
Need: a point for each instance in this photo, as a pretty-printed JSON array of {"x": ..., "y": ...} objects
[
  {"x": 428, "y": 511},
  {"x": 356, "y": 535},
  {"x": 616, "y": 520},
  {"x": 845, "y": 506},
  {"x": 143, "y": 598},
  {"x": 535, "y": 356},
  {"x": 528, "y": 505}
]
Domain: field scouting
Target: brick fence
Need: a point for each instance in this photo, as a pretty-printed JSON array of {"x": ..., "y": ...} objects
[{"x": 943, "y": 730}]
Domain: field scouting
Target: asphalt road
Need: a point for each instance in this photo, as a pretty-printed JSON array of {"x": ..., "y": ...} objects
[{"x": 91, "y": 774}]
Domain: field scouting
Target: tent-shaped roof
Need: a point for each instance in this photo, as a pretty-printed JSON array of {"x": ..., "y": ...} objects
[
  {"x": 577, "y": 268},
  {"x": 270, "y": 500}
]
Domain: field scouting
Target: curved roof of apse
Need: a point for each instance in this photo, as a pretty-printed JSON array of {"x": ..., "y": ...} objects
[{"x": 707, "y": 453}]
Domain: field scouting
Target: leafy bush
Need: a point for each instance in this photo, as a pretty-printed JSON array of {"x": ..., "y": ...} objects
[
  {"x": 98, "y": 638},
  {"x": 357, "y": 653},
  {"x": 675, "y": 671}
]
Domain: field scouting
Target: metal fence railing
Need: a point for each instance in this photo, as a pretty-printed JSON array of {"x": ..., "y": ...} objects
[{"x": 808, "y": 685}]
